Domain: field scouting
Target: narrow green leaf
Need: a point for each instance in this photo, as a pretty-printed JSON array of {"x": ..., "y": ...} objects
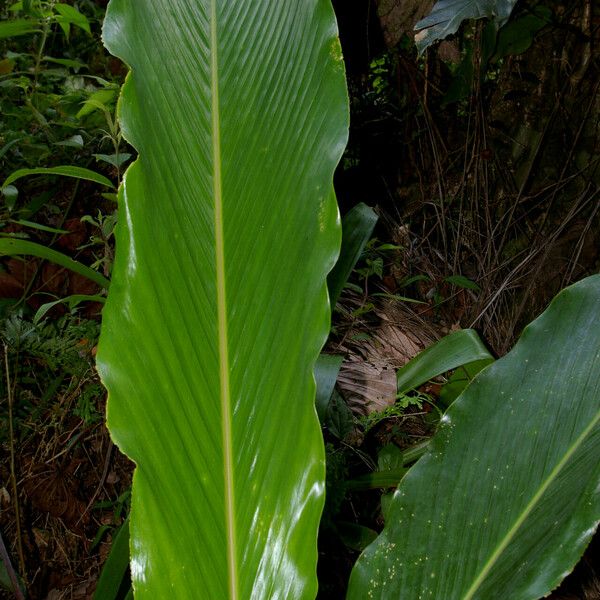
[
  {"x": 115, "y": 567},
  {"x": 73, "y": 301},
  {"x": 413, "y": 453},
  {"x": 65, "y": 171},
  {"x": 38, "y": 226},
  {"x": 463, "y": 282},
  {"x": 357, "y": 227},
  {"x": 397, "y": 298},
  {"x": 14, "y": 247},
  {"x": 390, "y": 468},
  {"x": 218, "y": 309},
  {"x": 327, "y": 368},
  {"x": 452, "y": 351},
  {"x": 414, "y": 279},
  {"x": 65, "y": 62},
  {"x": 377, "y": 479},
  {"x": 507, "y": 496}
]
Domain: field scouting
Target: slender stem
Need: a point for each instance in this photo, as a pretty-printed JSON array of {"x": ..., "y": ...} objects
[
  {"x": 38, "y": 58},
  {"x": 115, "y": 141},
  {"x": 115, "y": 136},
  {"x": 13, "y": 476}
]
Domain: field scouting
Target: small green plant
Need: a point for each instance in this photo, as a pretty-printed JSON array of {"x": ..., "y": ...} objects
[
  {"x": 87, "y": 403},
  {"x": 46, "y": 360},
  {"x": 57, "y": 104},
  {"x": 397, "y": 409},
  {"x": 57, "y": 100},
  {"x": 379, "y": 75},
  {"x": 102, "y": 242},
  {"x": 375, "y": 256},
  {"x": 120, "y": 511}
]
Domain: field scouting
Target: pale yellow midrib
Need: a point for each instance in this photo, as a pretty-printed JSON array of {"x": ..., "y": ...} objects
[
  {"x": 222, "y": 314},
  {"x": 528, "y": 509}
]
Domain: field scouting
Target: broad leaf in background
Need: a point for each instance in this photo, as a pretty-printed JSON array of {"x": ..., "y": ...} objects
[
  {"x": 454, "y": 350},
  {"x": 218, "y": 307},
  {"x": 518, "y": 35},
  {"x": 69, "y": 15},
  {"x": 357, "y": 227},
  {"x": 327, "y": 368},
  {"x": 507, "y": 496},
  {"x": 447, "y": 15}
]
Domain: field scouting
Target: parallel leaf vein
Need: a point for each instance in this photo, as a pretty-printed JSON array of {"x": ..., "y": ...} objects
[
  {"x": 530, "y": 507},
  {"x": 225, "y": 397}
]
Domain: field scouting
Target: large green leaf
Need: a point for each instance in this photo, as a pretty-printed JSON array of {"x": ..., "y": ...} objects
[
  {"x": 507, "y": 496},
  {"x": 447, "y": 15},
  {"x": 218, "y": 306}
]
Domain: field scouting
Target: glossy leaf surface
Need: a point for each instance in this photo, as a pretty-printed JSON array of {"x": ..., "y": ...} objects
[
  {"x": 446, "y": 17},
  {"x": 218, "y": 306},
  {"x": 507, "y": 496}
]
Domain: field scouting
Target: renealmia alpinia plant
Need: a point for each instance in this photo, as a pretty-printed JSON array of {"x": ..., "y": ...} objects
[
  {"x": 218, "y": 309},
  {"x": 218, "y": 305}
]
